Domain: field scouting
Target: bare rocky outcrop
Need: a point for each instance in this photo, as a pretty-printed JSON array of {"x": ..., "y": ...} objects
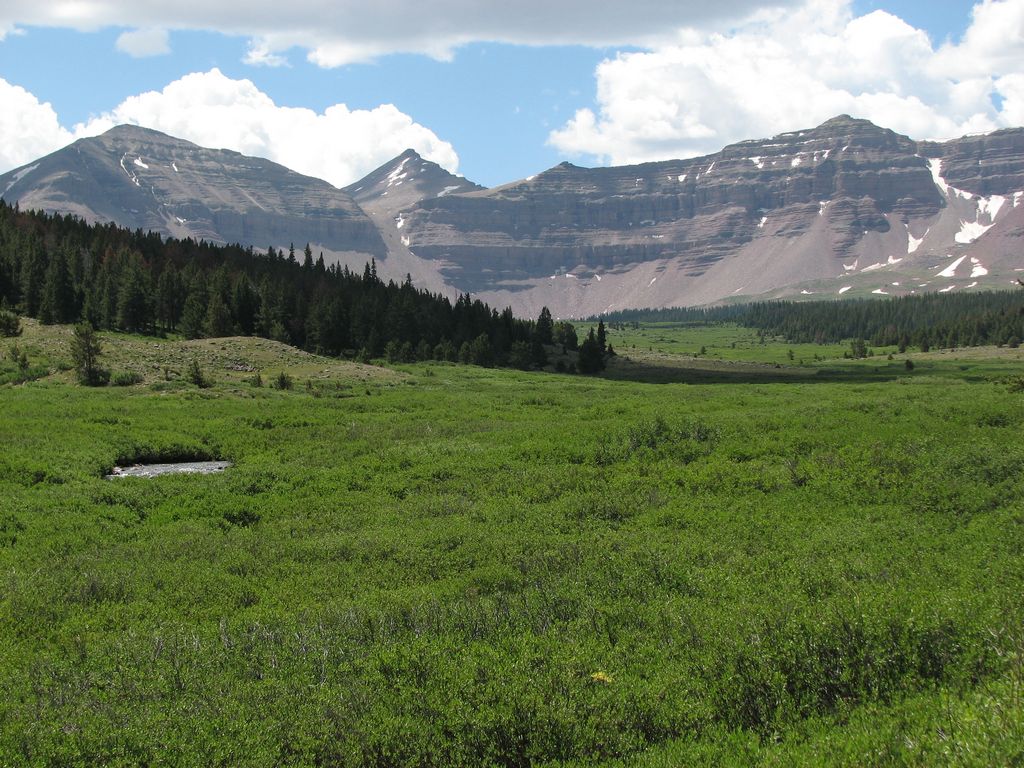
[
  {"x": 140, "y": 178},
  {"x": 847, "y": 201},
  {"x": 844, "y": 209}
]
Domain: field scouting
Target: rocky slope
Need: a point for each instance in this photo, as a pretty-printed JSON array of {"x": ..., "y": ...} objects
[
  {"x": 140, "y": 178},
  {"x": 403, "y": 182},
  {"x": 843, "y": 207},
  {"x": 399, "y": 185}
]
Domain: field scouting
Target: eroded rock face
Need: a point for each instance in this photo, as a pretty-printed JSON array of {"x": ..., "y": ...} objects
[
  {"x": 847, "y": 201},
  {"x": 844, "y": 209},
  {"x": 698, "y": 210},
  {"x": 992, "y": 164},
  {"x": 403, "y": 182},
  {"x": 139, "y": 178}
]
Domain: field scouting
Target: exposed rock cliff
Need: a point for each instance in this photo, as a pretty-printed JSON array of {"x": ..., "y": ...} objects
[
  {"x": 844, "y": 209},
  {"x": 787, "y": 215},
  {"x": 141, "y": 178}
]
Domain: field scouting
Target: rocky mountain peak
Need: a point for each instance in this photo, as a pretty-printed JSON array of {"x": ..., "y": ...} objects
[
  {"x": 846, "y": 208},
  {"x": 404, "y": 181},
  {"x": 144, "y": 179}
]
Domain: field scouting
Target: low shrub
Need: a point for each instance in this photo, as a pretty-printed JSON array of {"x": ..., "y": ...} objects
[
  {"x": 10, "y": 324},
  {"x": 126, "y": 378},
  {"x": 196, "y": 375}
]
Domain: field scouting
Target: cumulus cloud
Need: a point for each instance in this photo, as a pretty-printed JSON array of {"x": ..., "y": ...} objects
[
  {"x": 140, "y": 43},
  {"x": 337, "y": 32},
  {"x": 28, "y": 128},
  {"x": 339, "y": 144},
  {"x": 788, "y": 69}
]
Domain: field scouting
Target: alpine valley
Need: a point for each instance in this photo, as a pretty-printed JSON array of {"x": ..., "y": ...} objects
[{"x": 844, "y": 209}]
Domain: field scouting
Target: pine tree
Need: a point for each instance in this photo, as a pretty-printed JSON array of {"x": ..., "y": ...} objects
[
  {"x": 591, "y": 357},
  {"x": 85, "y": 354},
  {"x": 480, "y": 351},
  {"x": 193, "y": 316},
  {"x": 545, "y": 327},
  {"x": 244, "y": 304},
  {"x": 58, "y": 299},
  {"x": 565, "y": 335},
  {"x": 133, "y": 300},
  {"x": 218, "y": 318},
  {"x": 170, "y": 297},
  {"x": 32, "y": 275}
]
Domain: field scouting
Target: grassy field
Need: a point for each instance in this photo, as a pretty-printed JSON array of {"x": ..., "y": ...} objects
[
  {"x": 720, "y": 342},
  {"x": 447, "y": 565}
]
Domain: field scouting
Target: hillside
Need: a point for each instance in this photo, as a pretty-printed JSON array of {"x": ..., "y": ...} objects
[{"x": 846, "y": 209}]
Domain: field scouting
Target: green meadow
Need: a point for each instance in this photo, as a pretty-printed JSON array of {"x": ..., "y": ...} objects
[{"x": 723, "y": 559}]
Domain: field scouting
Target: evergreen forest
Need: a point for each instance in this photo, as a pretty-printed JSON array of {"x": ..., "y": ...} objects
[{"x": 59, "y": 269}]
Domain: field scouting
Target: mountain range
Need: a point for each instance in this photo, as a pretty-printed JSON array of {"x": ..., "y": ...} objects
[{"x": 844, "y": 209}]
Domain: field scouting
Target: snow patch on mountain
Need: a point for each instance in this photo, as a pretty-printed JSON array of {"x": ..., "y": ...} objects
[
  {"x": 129, "y": 173},
  {"x": 990, "y": 206},
  {"x": 971, "y": 231},
  {"x": 396, "y": 175},
  {"x": 913, "y": 243},
  {"x": 935, "y": 165},
  {"x": 21, "y": 175},
  {"x": 140, "y": 163},
  {"x": 950, "y": 271}
]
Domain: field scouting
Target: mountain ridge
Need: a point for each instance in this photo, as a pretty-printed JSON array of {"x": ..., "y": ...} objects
[{"x": 845, "y": 208}]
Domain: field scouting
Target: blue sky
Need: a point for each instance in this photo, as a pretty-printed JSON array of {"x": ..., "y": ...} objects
[{"x": 501, "y": 98}]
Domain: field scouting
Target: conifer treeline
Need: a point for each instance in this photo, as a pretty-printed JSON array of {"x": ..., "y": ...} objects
[
  {"x": 59, "y": 269},
  {"x": 944, "y": 320}
]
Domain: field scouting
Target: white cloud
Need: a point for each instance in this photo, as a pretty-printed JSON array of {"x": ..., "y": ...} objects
[
  {"x": 339, "y": 144},
  {"x": 140, "y": 43},
  {"x": 260, "y": 54},
  {"x": 28, "y": 128},
  {"x": 788, "y": 69},
  {"x": 337, "y": 32}
]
